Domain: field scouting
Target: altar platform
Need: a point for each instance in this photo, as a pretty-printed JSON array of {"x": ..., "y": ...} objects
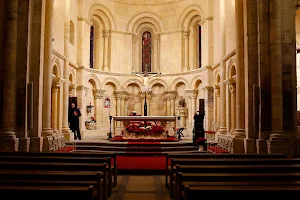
[{"x": 121, "y": 139}]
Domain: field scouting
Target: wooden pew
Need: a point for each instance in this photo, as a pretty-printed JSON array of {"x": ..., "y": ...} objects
[
  {"x": 46, "y": 192},
  {"x": 47, "y": 159},
  {"x": 91, "y": 167},
  {"x": 215, "y": 156},
  {"x": 193, "y": 178},
  {"x": 251, "y": 192},
  {"x": 235, "y": 169},
  {"x": 52, "y": 178},
  {"x": 188, "y": 161},
  {"x": 71, "y": 154}
]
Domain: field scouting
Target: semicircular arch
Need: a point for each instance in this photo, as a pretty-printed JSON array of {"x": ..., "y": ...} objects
[
  {"x": 94, "y": 79},
  {"x": 114, "y": 81},
  {"x": 159, "y": 81},
  {"x": 188, "y": 14},
  {"x": 102, "y": 12},
  {"x": 132, "y": 81},
  {"x": 145, "y": 17},
  {"x": 179, "y": 80},
  {"x": 195, "y": 80}
]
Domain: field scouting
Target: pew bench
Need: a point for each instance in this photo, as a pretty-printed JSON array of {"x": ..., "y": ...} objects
[
  {"x": 47, "y": 192},
  {"x": 251, "y": 192},
  {"x": 54, "y": 178},
  {"x": 47, "y": 159},
  {"x": 92, "y": 167},
  {"x": 192, "y": 179},
  {"x": 71, "y": 154},
  {"x": 214, "y": 156}
]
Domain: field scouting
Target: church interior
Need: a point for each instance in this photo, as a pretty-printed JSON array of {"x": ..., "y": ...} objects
[{"x": 234, "y": 62}]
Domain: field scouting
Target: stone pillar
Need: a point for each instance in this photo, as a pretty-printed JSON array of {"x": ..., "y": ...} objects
[
  {"x": 158, "y": 53},
  {"x": 275, "y": 142},
  {"x": 182, "y": 114},
  {"x": 8, "y": 140},
  {"x": 192, "y": 94},
  {"x": 216, "y": 107},
  {"x": 98, "y": 96},
  {"x": 222, "y": 128},
  {"x": 106, "y": 49},
  {"x": 47, "y": 130},
  {"x": 65, "y": 125},
  {"x": 55, "y": 89},
  {"x": 120, "y": 96},
  {"x": 148, "y": 99},
  {"x": 81, "y": 95},
  {"x": 228, "y": 106},
  {"x": 168, "y": 105},
  {"x": 233, "y": 107},
  {"x": 186, "y": 35},
  {"x": 240, "y": 82},
  {"x": 209, "y": 107},
  {"x": 133, "y": 52}
]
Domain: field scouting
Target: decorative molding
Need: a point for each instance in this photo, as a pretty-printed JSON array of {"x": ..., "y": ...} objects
[
  {"x": 191, "y": 93},
  {"x": 229, "y": 55},
  {"x": 82, "y": 18},
  {"x": 59, "y": 55},
  {"x": 143, "y": 3},
  {"x": 75, "y": 66},
  {"x": 98, "y": 94}
]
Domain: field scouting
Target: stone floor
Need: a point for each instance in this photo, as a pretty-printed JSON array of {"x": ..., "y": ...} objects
[{"x": 140, "y": 188}]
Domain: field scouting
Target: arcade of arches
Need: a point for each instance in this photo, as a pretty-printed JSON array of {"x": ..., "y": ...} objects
[{"x": 238, "y": 55}]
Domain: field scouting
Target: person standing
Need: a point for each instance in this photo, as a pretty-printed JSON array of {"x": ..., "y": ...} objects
[{"x": 74, "y": 114}]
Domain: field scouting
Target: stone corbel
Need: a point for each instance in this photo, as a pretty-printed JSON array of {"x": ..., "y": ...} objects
[
  {"x": 186, "y": 33},
  {"x": 106, "y": 33}
]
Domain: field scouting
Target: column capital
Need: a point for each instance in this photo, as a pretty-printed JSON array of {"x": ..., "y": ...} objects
[
  {"x": 232, "y": 88},
  {"x": 106, "y": 33},
  {"x": 217, "y": 90},
  {"x": 170, "y": 94},
  {"x": 158, "y": 37},
  {"x": 229, "y": 81},
  {"x": 98, "y": 94},
  {"x": 191, "y": 93},
  {"x": 186, "y": 33},
  {"x": 121, "y": 94},
  {"x": 56, "y": 83},
  {"x": 208, "y": 88},
  {"x": 82, "y": 87},
  {"x": 72, "y": 86}
]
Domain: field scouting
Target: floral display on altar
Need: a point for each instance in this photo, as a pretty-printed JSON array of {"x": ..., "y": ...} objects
[{"x": 144, "y": 130}]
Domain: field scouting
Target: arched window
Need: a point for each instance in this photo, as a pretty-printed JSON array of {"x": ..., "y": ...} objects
[
  {"x": 146, "y": 52},
  {"x": 199, "y": 47},
  {"x": 92, "y": 47},
  {"x": 71, "y": 32}
]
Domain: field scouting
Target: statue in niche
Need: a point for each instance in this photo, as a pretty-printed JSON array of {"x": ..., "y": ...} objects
[{"x": 181, "y": 102}]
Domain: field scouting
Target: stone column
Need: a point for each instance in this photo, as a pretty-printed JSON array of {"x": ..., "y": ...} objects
[
  {"x": 222, "y": 128},
  {"x": 233, "y": 106},
  {"x": 133, "y": 52},
  {"x": 120, "y": 96},
  {"x": 186, "y": 35},
  {"x": 47, "y": 130},
  {"x": 168, "y": 98},
  {"x": 158, "y": 53},
  {"x": 148, "y": 99},
  {"x": 55, "y": 89},
  {"x": 275, "y": 143},
  {"x": 240, "y": 82},
  {"x": 65, "y": 125},
  {"x": 182, "y": 114},
  {"x": 105, "y": 57},
  {"x": 192, "y": 94},
  {"x": 209, "y": 106},
  {"x": 216, "y": 107},
  {"x": 228, "y": 106},
  {"x": 81, "y": 95},
  {"x": 98, "y": 97},
  {"x": 8, "y": 140}
]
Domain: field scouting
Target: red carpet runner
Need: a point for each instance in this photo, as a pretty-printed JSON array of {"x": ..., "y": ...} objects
[{"x": 141, "y": 162}]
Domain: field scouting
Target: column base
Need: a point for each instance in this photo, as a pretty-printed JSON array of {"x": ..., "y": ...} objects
[
  {"x": 105, "y": 68},
  {"x": 261, "y": 146},
  {"x": 36, "y": 144},
  {"x": 186, "y": 68},
  {"x": 47, "y": 131},
  {"x": 239, "y": 133},
  {"x": 222, "y": 130},
  {"x": 9, "y": 143},
  {"x": 277, "y": 146},
  {"x": 24, "y": 144},
  {"x": 237, "y": 145},
  {"x": 69, "y": 136},
  {"x": 66, "y": 130},
  {"x": 250, "y": 145}
]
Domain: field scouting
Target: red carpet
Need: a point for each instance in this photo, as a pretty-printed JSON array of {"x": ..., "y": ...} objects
[
  {"x": 143, "y": 142},
  {"x": 65, "y": 149},
  {"x": 141, "y": 162},
  {"x": 217, "y": 150}
]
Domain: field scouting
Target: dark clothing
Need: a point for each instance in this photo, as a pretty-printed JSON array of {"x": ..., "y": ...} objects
[{"x": 74, "y": 114}]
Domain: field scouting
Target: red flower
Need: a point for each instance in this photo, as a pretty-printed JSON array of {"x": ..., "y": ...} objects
[{"x": 144, "y": 128}]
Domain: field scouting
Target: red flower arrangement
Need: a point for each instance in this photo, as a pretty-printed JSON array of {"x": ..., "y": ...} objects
[
  {"x": 144, "y": 128},
  {"x": 201, "y": 141}
]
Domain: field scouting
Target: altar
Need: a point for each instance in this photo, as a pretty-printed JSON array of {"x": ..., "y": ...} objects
[{"x": 144, "y": 127}]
